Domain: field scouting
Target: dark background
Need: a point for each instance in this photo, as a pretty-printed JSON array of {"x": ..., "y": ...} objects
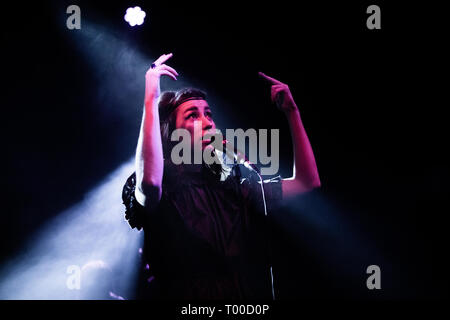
[{"x": 370, "y": 100}]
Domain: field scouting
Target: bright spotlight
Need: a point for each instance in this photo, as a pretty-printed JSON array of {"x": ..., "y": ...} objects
[{"x": 134, "y": 16}]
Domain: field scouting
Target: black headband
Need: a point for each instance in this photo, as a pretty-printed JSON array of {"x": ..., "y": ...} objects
[
  {"x": 167, "y": 111},
  {"x": 187, "y": 99}
]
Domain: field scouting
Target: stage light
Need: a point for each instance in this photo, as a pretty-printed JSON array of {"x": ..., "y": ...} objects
[
  {"x": 93, "y": 236},
  {"x": 134, "y": 16}
]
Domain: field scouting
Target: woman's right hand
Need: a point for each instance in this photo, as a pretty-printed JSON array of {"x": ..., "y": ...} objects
[{"x": 152, "y": 87}]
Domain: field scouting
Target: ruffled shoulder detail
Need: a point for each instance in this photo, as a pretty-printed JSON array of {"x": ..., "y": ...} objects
[{"x": 134, "y": 211}]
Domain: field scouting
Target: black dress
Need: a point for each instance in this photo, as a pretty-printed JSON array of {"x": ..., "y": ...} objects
[{"x": 207, "y": 239}]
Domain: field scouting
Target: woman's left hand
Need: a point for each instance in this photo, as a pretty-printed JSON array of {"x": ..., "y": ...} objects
[{"x": 280, "y": 94}]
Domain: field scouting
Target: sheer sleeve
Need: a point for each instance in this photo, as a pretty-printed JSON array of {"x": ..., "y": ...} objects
[{"x": 134, "y": 211}]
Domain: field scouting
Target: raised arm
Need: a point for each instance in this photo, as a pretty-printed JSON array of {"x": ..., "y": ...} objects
[
  {"x": 305, "y": 174},
  {"x": 149, "y": 154}
]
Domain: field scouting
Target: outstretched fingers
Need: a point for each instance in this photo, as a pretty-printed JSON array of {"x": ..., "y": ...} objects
[
  {"x": 163, "y": 59},
  {"x": 159, "y": 68},
  {"x": 168, "y": 68},
  {"x": 167, "y": 73}
]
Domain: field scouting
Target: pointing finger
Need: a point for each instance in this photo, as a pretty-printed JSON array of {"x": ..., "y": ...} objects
[{"x": 270, "y": 79}]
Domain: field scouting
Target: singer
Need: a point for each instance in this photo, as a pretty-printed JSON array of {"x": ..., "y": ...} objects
[{"x": 204, "y": 225}]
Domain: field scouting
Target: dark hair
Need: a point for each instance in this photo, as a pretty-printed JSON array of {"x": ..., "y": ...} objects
[{"x": 167, "y": 104}]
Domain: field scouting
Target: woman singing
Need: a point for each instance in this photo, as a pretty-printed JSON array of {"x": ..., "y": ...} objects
[{"x": 204, "y": 225}]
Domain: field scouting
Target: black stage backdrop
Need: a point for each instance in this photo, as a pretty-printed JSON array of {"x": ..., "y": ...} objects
[{"x": 370, "y": 101}]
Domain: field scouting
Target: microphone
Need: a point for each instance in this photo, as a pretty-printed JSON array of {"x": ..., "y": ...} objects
[{"x": 238, "y": 156}]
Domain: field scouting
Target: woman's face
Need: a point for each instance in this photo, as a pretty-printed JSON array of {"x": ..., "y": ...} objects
[{"x": 195, "y": 112}]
